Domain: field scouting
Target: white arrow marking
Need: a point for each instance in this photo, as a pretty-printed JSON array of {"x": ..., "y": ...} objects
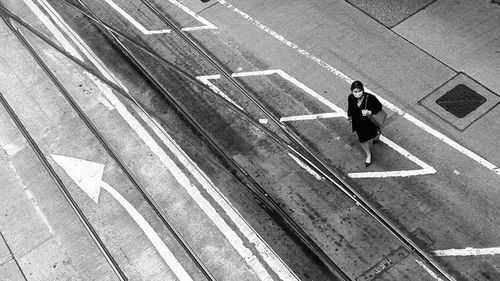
[
  {"x": 467, "y": 252},
  {"x": 88, "y": 176}
]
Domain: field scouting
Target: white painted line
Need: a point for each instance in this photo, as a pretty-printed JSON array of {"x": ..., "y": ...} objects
[
  {"x": 349, "y": 80},
  {"x": 467, "y": 252},
  {"x": 426, "y": 169},
  {"x": 266, "y": 253},
  {"x": 88, "y": 176},
  {"x": 207, "y": 24},
  {"x": 339, "y": 112},
  {"x": 431, "y": 273},
  {"x": 312, "y": 117},
  {"x": 296, "y": 82},
  {"x": 79, "y": 43},
  {"x": 306, "y": 167},
  {"x": 271, "y": 258},
  {"x": 53, "y": 29},
  {"x": 206, "y": 80},
  {"x": 134, "y": 22}
]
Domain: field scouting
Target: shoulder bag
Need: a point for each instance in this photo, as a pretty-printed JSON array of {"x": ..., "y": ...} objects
[{"x": 379, "y": 118}]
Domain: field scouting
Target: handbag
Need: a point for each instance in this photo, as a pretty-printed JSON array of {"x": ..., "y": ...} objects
[{"x": 378, "y": 118}]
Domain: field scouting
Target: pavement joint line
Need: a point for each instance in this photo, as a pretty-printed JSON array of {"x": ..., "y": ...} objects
[{"x": 338, "y": 73}]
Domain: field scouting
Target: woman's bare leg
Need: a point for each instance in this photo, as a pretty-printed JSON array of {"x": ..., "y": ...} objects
[{"x": 366, "y": 147}]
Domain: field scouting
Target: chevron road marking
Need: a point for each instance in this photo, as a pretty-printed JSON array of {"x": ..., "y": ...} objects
[
  {"x": 338, "y": 73},
  {"x": 207, "y": 24},
  {"x": 338, "y": 112}
]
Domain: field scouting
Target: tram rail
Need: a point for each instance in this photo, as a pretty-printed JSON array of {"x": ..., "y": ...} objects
[
  {"x": 165, "y": 220},
  {"x": 297, "y": 148}
]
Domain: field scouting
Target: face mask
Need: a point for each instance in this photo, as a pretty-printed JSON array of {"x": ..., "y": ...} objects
[{"x": 357, "y": 94}]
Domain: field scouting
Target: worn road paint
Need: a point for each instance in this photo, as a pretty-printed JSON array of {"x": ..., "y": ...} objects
[
  {"x": 88, "y": 176},
  {"x": 207, "y": 24},
  {"x": 349, "y": 80},
  {"x": 431, "y": 273},
  {"x": 134, "y": 22},
  {"x": 312, "y": 117},
  {"x": 206, "y": 80},
  {"x": 53, "y": 29},
  {"x": 183, "y": 180},
  {"x": 271, "y": 258},
  {"x": 467, "y": 252},
  {"x": 78, "y": 42},
  {"x": 306, "y": 167},
  {"x": 338, "y": 112},
  {"x": 426, "y": 169}
]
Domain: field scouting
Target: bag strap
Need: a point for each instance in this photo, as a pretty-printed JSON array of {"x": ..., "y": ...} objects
[{"x": 366, "y": 99}]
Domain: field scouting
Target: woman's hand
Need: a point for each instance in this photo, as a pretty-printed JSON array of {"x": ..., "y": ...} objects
[{"x": 366, "y": 112}]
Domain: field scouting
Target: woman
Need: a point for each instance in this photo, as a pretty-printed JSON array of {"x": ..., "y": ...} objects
[{"x": 360, "y": 106}]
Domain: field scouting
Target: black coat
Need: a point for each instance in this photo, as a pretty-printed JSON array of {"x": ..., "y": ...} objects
[{"x": 362, "y": 125}]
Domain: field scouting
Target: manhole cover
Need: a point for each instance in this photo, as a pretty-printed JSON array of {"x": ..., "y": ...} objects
[{"x": 461, "y": 100}]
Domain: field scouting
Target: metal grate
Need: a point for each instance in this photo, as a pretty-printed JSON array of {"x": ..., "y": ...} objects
[{"x": 461, "y": 100}]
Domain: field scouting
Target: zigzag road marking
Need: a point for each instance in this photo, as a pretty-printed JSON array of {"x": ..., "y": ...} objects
[
  {"x": 349, "y": 80},
  {"x": 207, "y": 24},
  {"x": 339, "y": 112}
]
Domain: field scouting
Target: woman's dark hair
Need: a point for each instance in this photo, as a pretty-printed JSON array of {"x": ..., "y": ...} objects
[{"x": 357, "y": 85}]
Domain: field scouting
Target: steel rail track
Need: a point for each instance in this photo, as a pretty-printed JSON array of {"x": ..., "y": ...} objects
[
  {"x": 310, "y": 156},
  {"x": 157, "y": 209},
  {"x": 67, "y": 195},
  {"x": 323, "y": 168},
  {"x": 236, "y": 169}
]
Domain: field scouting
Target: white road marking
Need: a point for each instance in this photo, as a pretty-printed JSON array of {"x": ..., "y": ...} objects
[
  {"x": 134, "y": 22},
  {"x": 349, "y": 80},
  {"x": 271, "y": 258},
  {"x": 431, "y": 273},
  {"x": 88, "y": 176},
  {"x": 53, "y": 29},
  {"x": 207, "y": 24},
  {"x": 426, "y": 169},
  {"x": 306, "y": 167},
  {"x": 339, "y": 112},
  {"x": 467, "y": 252},
  {"x": 275, "y": 263},
  {"x": 312, "y": 117},
  {"x": 206, "y": 80},
  {"x": 78, "y": 42}
]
